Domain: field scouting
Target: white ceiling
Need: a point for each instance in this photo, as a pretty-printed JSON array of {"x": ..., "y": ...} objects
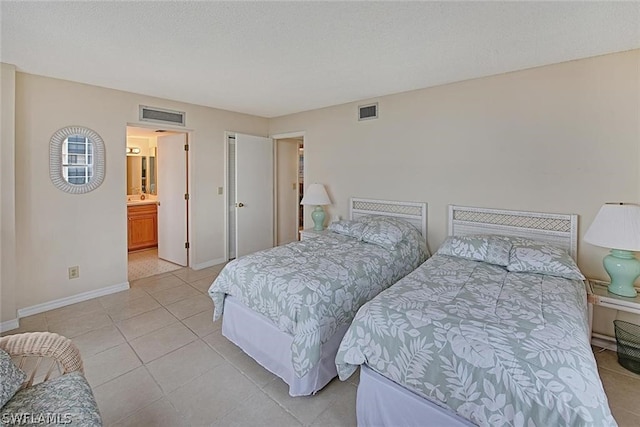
[{"x": 276, "y": 58}]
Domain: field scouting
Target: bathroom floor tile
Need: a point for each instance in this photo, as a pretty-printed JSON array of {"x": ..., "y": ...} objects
[{"x": 146, "y": 263}]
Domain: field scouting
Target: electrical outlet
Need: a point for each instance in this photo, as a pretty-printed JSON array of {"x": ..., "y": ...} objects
[
  {"x": 74, "y": 272},
  {"x": 219, "y": 190}
]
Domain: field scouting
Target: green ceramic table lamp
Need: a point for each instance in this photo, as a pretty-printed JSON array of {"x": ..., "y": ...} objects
[
  {"x": 617, "y": 227},
  {"x": 316, "y": 195}
]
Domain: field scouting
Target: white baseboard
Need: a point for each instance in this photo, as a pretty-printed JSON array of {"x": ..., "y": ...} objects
[
  {"x": 604, "y": 341},
  {"x": 210, "y": 263},
  {"x": 62, "y": 302},
  {"x": 9, "y": 325}
]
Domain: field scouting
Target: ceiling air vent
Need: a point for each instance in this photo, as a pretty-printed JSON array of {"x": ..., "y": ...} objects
[
  {"x": 160, "y": 115},
  {"x": 368, "y": 112}
]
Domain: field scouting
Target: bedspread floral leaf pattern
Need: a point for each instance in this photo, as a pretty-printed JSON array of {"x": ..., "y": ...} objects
[
  {"x": 310, "y": 288},
  {"x": 498, "y": 348}
]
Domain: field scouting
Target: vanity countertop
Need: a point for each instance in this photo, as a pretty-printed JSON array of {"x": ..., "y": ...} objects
[{"x": 141, "y": 202}]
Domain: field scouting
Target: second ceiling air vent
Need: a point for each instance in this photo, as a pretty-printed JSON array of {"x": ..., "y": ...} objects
[
  {"x": 368, "y": 112},
  {"x": 160, "y": 115}
]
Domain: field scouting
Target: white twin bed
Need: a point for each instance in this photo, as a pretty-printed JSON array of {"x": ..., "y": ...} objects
[
  {"x": 490, "y": 331},
  {"x": 288, "y": 307}
]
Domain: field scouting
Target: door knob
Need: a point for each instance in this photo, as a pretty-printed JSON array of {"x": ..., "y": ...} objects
[{"x": 240, "y": 205}]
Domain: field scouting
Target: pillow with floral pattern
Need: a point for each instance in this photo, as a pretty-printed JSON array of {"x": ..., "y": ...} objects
[
  {"x": 489, "y": 249},
  {"x": 11, "y": 378},
  {"x": 348, "y": 228},
  {"x": 530, "y": 256},
  {"x": 387, "y": 231}
]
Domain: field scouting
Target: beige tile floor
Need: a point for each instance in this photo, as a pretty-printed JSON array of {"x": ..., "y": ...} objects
[{"x": 154, "y": 357}]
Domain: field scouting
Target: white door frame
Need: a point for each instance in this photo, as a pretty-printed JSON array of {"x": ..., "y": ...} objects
[
  {"x": 276, "y": 137},
  {"x": 225, "y": 193},
  {"x": 189, "y": 134}
]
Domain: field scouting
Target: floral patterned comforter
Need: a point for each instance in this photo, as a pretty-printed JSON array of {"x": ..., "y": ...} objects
[
  {"x": 498, "y": 348},
  {"x": 312, "y": 287}
]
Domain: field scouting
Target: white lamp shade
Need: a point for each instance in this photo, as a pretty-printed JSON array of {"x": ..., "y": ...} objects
[
  {"x": 315, "y": 195},
  {"x": 617, "y": 226}
]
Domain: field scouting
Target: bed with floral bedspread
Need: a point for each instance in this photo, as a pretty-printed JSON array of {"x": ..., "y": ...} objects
[
  {"x": 495, "y": 346},
  {"x": 310, "y": 288}
]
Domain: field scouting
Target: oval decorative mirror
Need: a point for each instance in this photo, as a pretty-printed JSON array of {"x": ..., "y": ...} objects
[{"x": 76, "y": 159}]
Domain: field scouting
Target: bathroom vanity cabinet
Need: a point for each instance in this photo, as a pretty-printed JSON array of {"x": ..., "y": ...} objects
[{"x": 142, "y": 226}]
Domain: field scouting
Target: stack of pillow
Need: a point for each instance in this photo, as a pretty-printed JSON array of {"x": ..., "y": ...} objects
[
  {"x": 516, "y": 254},
  {"x": 377, "y": 229}
]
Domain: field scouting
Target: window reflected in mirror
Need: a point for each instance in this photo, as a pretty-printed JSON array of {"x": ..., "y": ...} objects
[{"x": 77, "y": 159}]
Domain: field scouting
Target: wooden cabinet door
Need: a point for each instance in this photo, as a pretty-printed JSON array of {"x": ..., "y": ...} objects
[{"x": 142, "y": 227}]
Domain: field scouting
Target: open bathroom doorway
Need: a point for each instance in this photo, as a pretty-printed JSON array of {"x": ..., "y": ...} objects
[
  {"x": 289, "y": 179},
  {"x": 157, "y": 201}
]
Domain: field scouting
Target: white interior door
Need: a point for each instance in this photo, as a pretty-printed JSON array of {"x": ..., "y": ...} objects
[
  {"x": 172, "y": 209},
  {"x": 254, "y": 194}
]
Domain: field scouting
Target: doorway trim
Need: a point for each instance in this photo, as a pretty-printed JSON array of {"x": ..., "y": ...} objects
[
  {"x": 275, "y": 138},
  {"x": 189, "y": 140}
]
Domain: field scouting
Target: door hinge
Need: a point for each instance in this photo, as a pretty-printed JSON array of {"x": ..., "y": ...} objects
[
  {"x": 186, "y": 196},
  {"x": 186, "y": 147},
  {"x": 186, "y": 245}
]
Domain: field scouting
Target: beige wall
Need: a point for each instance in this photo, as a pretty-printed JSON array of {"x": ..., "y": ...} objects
[
  {"x": 561, "y": 138},
  {"x": 8, "y": 302},
  {"x": 47, "y": 217}
]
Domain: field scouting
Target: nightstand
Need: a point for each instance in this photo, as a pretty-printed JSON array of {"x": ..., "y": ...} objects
[
  {"x": 310, "y": 233},
  {"x": 601, "y": 296}
]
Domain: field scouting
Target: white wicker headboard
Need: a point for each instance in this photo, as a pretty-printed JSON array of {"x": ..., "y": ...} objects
[
  {"x": 413, "y": 212},
  {"x": 557, "y": 229}
]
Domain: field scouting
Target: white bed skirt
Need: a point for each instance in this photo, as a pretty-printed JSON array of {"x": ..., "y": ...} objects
[
  {"x": 266, "y": 344},
  {"x": 382, "y": 402}
]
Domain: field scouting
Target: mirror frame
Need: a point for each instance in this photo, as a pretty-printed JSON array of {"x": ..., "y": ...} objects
[{"x": 55, "y": 160}]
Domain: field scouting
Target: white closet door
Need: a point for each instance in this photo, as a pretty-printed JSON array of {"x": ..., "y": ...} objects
[{"x": 254, "y": 194}]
